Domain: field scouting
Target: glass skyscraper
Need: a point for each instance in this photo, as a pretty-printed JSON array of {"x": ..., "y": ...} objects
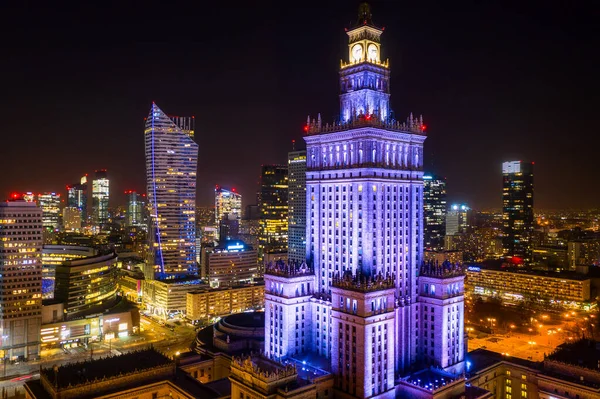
[
  {"x": 517, "y": 210},
  {"x": 50, "y": 204},
  {"x": 228, "y": 206},
  {"x": 100, "y": 196},
  {"x": 171, "y": 162},
  {"x": 273, "y": 204},
  {"x": 297, "y": 206},
  {"x": 434, "y": 211},
  {"x": 77, "y": 197},
  {"x": 135, "y": 206}
]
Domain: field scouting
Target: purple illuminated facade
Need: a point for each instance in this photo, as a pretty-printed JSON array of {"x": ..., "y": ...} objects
[{"x": 364, "y": 299}]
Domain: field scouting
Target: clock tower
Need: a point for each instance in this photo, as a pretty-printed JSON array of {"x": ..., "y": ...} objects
[{"x": 364, "y": 78}]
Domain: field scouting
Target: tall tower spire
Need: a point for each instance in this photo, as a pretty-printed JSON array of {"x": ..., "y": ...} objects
[{"x": 364, "y": 78}]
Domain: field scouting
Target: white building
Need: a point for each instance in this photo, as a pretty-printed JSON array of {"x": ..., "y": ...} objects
[
  {"x": 358, "y": 299},
  {"x": 21, "y": 283}
]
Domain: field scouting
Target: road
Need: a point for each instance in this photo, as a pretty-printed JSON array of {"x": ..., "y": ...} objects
[{"x": 161, "y": 337}]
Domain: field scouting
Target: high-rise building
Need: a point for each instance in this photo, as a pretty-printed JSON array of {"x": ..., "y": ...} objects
[
  {"x": 50, "y": 204},
  {"x": 230, "y": 263},
  {"x": 365, "y": 299},
  {"x": 77, "y": 197},
  {"x": 135, "y": 209},
  {"x": 171, "y": 162},
  {"x": 273, "y": 205},
  {"x": 100, "y": 196},
  {"x": 517, "y": 210},
  {"x": 21, "y": 284},
  {"x": 297, "y": 206},
  {"x": 434, "y": 212},
  {"x": 458, "y": 219},
  {"x": 71, "y": 218},
  {"x": 228, "y": 207}
]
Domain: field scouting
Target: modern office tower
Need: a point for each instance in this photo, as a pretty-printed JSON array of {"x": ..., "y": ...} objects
[
  {"x": 229, "y": 228},
  {"x": 434, "y": 212},
  {"x": 458, "y": 219},
  {"x": 230, "y": 263},
  {"x": 135, "y": 209},
  {"x": 50, "y": 204},
  {"x": 54, "y": 255},
  {"x": 359, "y": 300},
  {"x": 171, "y": 162},
  {"x": 87, "y": 285},
  {"x": 100, "y": 196},
  {"x": 71, "y": 218},
  {"x": 297, "y": 206},
  {"x": 77, "y": 197},
  {"x": 273, "y": 205},
  {"x": 21, "y": 285},
  {"x": 228, "y": 206},
  {"x": 517, "y": 209}
]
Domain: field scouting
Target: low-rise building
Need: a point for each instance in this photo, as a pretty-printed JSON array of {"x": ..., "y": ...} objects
[
  {"x": 167, "y": 298},
  {"x": 206, "y": 303},
  {"x": 140, "y": 374},
  {"x": 513, "y": 285}
]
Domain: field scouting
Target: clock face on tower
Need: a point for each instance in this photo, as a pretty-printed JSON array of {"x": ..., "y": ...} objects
[
  {"x": 357, "y": 52},
  {"x": 372, "y": 52}
]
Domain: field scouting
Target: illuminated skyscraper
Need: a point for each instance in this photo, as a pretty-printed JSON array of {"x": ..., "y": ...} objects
[
  {"x": 77, "y": 197},
  {"x": 171, "y": 162},
  {"x": 71, "y": 218},
  {"x": 135, "y": 207},
  {"x": 50, "y": 204},
  {"x": 100, "y": 196},
  {"x": 365, "y": 299},
  {"x": 434, "y": 211},
  {"x": 458, "y": 219},
  {"x": 297, "y": 206},
  {"x": 21, "y": 284},
  {"x": 228, "y": 206},
  {"x": 517, "y": 209},
  {"x": 273, "y": 204}
]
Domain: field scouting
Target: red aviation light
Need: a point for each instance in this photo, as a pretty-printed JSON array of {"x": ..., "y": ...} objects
[
  {"x": 306, "y": 128},
  {"x": 423, "y": 127},
  {"x": 15, "y": 195}
]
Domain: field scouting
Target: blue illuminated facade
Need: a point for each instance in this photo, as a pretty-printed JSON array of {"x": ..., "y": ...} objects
[
  {"x": 364, "y": 298},
  {"x": 171, "y": 162}
]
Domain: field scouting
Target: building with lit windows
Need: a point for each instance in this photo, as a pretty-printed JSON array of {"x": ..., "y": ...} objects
[
  {"x": 228, "y": 212},
  {"x": 297, "y": 206},
  {"x": 206, "y": 303},
  {"x": 167, "y": 298},
  {"x": 100, "y": 197},
  {"x": 54, "y": 255},
  {"x": 365, "y": 303},
  {"x": 230, "y": 263},
  {"x": 171, "y": 162},
  {"x": 21, "y": 286},
  {"x": 77, "y": 197},
  {"x": 87, "y": 284},
  {"x": 434, "y": 212},
  {"x": 517, "y": 209},
  {"x": 135, "y": 209},
  {"x": 50, "y": 204},
  {"x": 513, "y": 285},
  {"x": 273, "y": 205},
  {"x": 458, "y": 219},
  {"x": 71, "y": 218}
]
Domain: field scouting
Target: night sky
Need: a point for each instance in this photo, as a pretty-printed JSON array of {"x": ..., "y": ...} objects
[{"x": 494, "y": 80}]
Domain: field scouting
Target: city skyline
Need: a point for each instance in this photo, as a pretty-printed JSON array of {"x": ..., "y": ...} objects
[{"x": 507, "y": 89}]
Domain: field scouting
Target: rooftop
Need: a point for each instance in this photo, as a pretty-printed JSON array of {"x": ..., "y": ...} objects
[
  {"x": 248, "y": 320},
  {"x": 582, "y": 353},
  {"x": 291, "y": 269},
  {"x": 411, "y": 126},
  {"x": 107, "y": 367},
  {"x": 431, "y": 379},
  {"x": 363, "y": 283},
  {"x": 480, "y": 359},
  {"x": 566, "y": 275},
  {"x": 442, "y": 270}
]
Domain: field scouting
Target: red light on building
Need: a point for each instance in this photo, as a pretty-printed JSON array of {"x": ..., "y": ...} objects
[
  {"x": 423, "y": 127},
  {"x": 368, "y": 117},
  {"x": 306, "y": 128},
  {"x": 15, "y": 195},
  {"x": 233, "y": 190}
]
